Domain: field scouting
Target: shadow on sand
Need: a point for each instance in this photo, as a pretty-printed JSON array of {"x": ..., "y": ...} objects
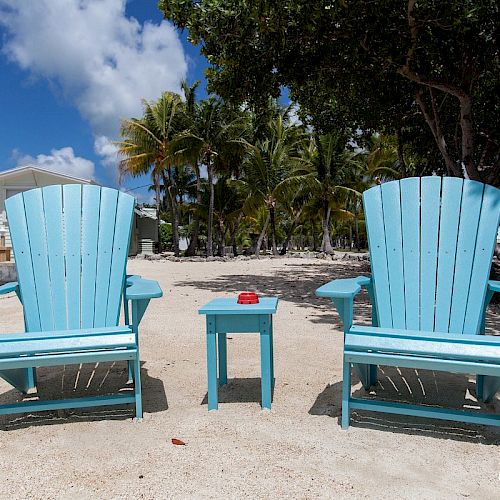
[
  {"x": 73, "y": 381},
  {"x": 240, "y": 390},
  {"x": 412, "y": 386}
]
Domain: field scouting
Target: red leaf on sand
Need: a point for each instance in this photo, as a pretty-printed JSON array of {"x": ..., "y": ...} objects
[{"x": 178, "y": 442}]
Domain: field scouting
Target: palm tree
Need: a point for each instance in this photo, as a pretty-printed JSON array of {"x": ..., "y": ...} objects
[
  {"x": 145, "y": 147},
  {"x": 335, "y": 171},
  {"x": 191, "y": 112},
  {"x": 267, "y": 168},
  {"x": 212, "y": 140}
]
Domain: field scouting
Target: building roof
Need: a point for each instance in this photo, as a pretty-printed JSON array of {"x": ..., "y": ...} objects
[{"x": 13, "y": 172}]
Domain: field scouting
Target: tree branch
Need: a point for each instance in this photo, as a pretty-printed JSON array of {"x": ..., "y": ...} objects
[{"x": 433, "y": 121}]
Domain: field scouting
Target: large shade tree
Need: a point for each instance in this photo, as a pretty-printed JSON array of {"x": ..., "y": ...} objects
[{"x": 387, "y": 65}]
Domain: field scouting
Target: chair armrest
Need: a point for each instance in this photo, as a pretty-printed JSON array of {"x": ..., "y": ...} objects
[
  {"x": 343, "y": 288},
  {"x": 342, "y": 293},
  {"x": 9, "y": 287},
  {"x": 137, "y": 288},
  {"x": 494, "y": 286}
]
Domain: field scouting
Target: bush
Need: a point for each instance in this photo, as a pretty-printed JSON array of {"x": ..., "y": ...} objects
[{"x": 166, "y": 237}]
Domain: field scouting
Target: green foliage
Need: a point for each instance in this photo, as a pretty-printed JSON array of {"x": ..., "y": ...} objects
[
  {"x": 166, "y": 237},
  {"x": 427, "y": 70}
]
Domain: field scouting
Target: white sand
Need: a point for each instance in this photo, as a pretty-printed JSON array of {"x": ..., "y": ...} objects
[{"x": 295, "y": 451}]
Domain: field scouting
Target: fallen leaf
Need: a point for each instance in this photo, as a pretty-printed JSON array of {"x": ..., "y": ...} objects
[{"x": 178, "y": 442}]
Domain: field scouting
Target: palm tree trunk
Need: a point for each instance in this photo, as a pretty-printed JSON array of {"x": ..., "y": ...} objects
[
  {"x": 210, "y": 251},
  {"x": 157, "y": 189},
  {"x": 193, "y": 244},
  {"x": 273, "y": 229},
  {"x": 326, "y": 244},
  {"x": 233, "y": 234},
  {"x": 261, "y": 236},
  {"x": 289, "y": 234},
  {"x": 174, "y": 211},
  {"x": 356, "y": 228}
]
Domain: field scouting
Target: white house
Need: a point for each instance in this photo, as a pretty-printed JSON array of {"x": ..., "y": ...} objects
[
  {"x": 24, "y": 178},
  {"x": 144, "y": 232}
]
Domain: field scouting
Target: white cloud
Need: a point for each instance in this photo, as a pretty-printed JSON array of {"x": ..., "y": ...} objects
[
  {"x": 59, "y": 160},
  {"x": 293, "y": 116},
  {"x": 102, "y": 61},
  {"x": 106, "y": 148}
]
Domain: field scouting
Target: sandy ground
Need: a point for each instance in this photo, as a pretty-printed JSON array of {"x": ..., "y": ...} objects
[{"x": 295, "y": 451}]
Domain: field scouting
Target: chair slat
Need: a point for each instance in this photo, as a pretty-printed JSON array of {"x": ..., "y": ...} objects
[
  {"x": 22, "y": 251},
  {"x": 52, "y": 206},
  {"x": 448, "y": 235},
  {"x": 72, "y": 205},
  {"x": 472, "y": 197},
  {"x": 437, "y": 348},
  {"x": 391, "y": 202},
  {"x": 124, "y": 216},
  {"x": 91, "y": 202},
  {"x": 410, "y": 221},
  {"x": 35, "y": 220},
  {"x": 372, "y": 200},
  {"x": 107, "y": 218},
  {"x": 65, "y": 344},
  {"x": 430, "y": 207},
  {"x": 485, "y": 245}
]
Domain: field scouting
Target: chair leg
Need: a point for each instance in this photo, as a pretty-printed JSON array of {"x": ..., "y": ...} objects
[
  {"x": 367, "y": 374},
  {"x": 346, "y": 394},
  {"x": 486, "y": 387},
  {"x": 130, "y": 370},
  {"x": 23, "y": 379},
  {"x": 137, "y": 387},
  {"x": 373, "y": 375}
]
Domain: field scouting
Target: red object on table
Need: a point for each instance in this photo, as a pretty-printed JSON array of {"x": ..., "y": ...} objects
[{"x": 248, "y": 298}]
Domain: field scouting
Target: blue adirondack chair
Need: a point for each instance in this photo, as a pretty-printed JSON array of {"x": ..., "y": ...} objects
[
  {"x": 71, "y": 246},
  {"x": 431, "y": 245}
]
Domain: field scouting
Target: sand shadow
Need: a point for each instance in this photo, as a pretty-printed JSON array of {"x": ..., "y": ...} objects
[
  {"x": 405, "y": 385},
  {"x": 239, "y": 390},
  {"x": 73, "y": 381},
  {"x": 296, "y": 283}
]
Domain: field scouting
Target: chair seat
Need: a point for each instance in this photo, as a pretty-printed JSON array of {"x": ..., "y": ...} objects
[
  {"x": 42, "y": 344},
  {"x": 433, "y": 345}
]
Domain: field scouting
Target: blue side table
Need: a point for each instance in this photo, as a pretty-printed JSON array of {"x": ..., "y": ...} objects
[{"x": 227, "y": 316}]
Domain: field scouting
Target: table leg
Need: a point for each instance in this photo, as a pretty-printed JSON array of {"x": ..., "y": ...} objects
[
  {"x": 222, "y": 344},
  {"x": 212, "y": 363},
  {"x": 272, "y": 348},
  {"x": 265, "y": 361}
]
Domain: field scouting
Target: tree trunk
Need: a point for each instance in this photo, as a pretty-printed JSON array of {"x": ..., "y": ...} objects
[
  {"x": 289, "y": 234},
  {"x": 261, "y": 236},
  {"x": 356, "y": 228},
  {"x": 222, "y": 230},
  {"x": 326, "y": 244},
  {"x": 210, "y": 251},
  {"x": 273, "y": 229},
  {"x": 157, "y": 189},
  {"x": 193, "y": 244},
  {"x": 233, "y": 234},
  {"x": 174, "y": 211},
  {"x": 401, "y": 158}
]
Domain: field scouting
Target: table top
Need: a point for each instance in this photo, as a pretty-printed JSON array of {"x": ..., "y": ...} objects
[{"x": 266, "y": 305}]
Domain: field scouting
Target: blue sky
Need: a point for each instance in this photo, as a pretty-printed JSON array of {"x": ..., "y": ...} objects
[{"x": 71, "y": 69}]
